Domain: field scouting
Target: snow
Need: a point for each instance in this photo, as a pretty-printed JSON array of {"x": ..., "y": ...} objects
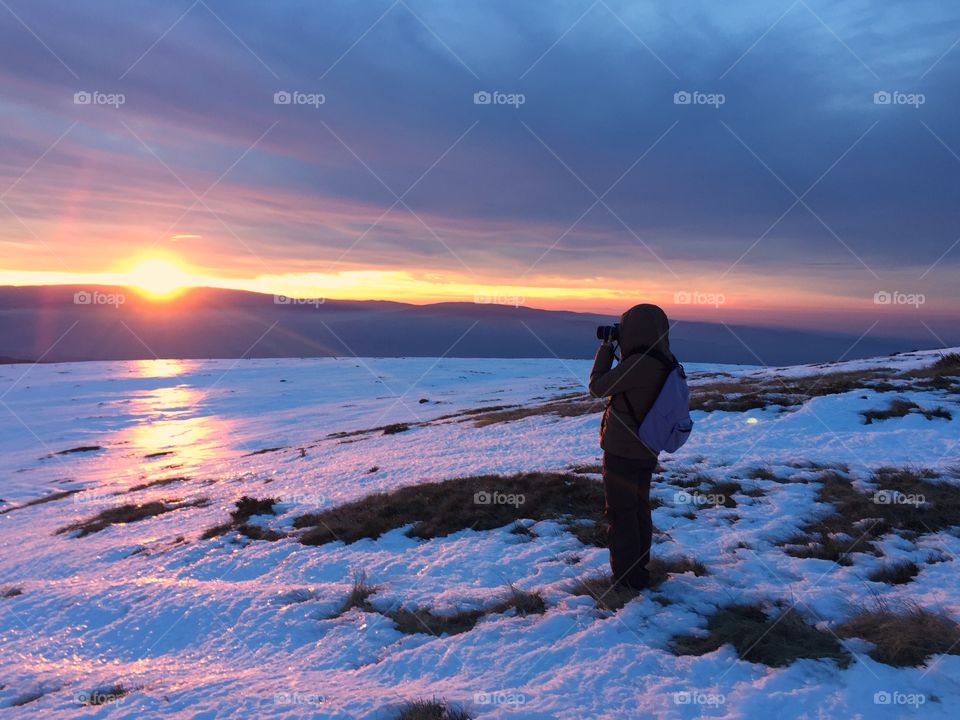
[{"x": 228, "y": 627}]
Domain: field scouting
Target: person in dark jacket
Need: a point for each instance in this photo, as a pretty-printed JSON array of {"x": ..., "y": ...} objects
[{"x": 632, "y": 387}]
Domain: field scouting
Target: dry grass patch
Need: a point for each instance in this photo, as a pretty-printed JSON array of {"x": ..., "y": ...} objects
[
  {"x": 81, "y": 449},
  {"x": 565, "y": 406},
  {"x": 587, "y": 469},
  {"x": 661, "y": 569},
  {"x": 752, "y": 393},
  {"x": 441, "y": 508},
  {"x": 611, "y": 597},
  {"x": 605, "y": 593},
  {"x": 761, "y": 473},
  {"x": 907, "y": 501},
  {"x": 425, "y": 621},
  {"x": 126, "y": 514},
  {"x": 758, "y": 637},
  {"x": 907, "y": 638},
  {"x": 52, "y": 497},
  {"x": 155, "y": 483},
  {"x": 246, "y": 508},
  {"x": 898, "y": 573},
  {"x": 901, "y": 407},
  {"x": 359, "y": 596},
  {"x": 432, "y": 710},
  {"x": 941, "y": 375}
]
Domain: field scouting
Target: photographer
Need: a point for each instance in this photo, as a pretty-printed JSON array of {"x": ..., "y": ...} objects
[{"x": 628, "y": 465}]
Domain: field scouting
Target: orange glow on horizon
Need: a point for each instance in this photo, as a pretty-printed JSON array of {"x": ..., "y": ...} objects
[
  {"x": 158, "y": 278},
  {"x": 162, "y": 277}
]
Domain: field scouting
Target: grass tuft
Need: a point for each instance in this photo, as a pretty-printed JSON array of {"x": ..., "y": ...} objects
[
  {"x": 359, "y": 596},
  {"x": 901, "y": 407},
  {"x": 898, "y": 573},
  {"x": 906, "y": 638},
  {"x": 432, "y": 710},
  {"x": 246, "y": 508},
  {"x": 776, "y": 641}
]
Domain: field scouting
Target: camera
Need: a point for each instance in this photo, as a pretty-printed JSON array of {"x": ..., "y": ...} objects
[{"x": 609, "y": 333}]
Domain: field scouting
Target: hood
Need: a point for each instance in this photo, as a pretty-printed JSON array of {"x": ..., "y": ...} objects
[{"x": 644, "y": 326}]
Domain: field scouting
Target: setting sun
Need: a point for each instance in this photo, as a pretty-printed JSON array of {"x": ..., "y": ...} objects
[{"x": 158, "y": 278}]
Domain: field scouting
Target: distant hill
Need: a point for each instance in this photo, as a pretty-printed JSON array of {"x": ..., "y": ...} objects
[{"x": 69, "y": 323}]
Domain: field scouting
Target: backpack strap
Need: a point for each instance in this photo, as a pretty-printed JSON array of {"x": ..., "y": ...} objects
[{"x": 670, "y": 362}]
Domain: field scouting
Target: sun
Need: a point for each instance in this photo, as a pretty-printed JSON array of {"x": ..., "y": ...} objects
[{"x": 158, "y": 278}]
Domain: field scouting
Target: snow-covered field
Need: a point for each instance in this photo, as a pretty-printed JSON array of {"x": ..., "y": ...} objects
[{"x": 233, "y": 627}]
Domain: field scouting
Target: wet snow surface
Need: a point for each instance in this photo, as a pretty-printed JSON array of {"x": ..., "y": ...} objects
[{"x": 233, "y": 627}]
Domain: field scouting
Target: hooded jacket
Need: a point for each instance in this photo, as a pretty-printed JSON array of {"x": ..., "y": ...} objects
[{"x": 639, "y": 376}]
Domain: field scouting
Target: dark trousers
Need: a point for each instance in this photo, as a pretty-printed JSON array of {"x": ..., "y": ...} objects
[{"x": 626, "y": 488}]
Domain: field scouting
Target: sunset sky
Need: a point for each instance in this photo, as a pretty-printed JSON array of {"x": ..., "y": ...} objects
[{"x": 787, "y": 191}]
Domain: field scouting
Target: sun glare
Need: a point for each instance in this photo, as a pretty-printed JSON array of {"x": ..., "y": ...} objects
[{"x": 158, "y": 279}]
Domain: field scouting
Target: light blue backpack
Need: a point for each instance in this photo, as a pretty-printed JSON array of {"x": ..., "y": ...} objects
[{"x": 667, "y": 425}]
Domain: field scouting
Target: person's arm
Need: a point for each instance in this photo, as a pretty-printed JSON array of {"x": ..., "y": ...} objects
[
  {"x": 625, "y": 376},
  {"x": 601, "y": 374}
]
